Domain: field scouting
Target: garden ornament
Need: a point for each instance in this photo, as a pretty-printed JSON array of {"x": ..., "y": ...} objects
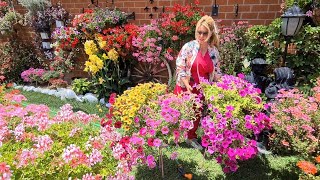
[
  {"x": 284, "y": 79},
  {"x": 257, "y": 75},
  {"x": 182, "y": 172}
]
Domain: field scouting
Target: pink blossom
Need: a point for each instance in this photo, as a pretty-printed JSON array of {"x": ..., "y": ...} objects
[{"x": 174, "y": 155}]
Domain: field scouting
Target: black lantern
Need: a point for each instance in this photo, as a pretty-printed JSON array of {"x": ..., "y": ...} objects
[{"x": 292, "y": 21}]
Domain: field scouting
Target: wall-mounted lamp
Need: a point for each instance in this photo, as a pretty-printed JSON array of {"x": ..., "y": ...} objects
[{"x": 215, "y": 9}]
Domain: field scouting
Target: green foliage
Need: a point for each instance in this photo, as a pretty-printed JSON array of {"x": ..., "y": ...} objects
[
  {"x": 307, "y": 60},
  {"x": 50, "y": 75},
  {"x": 81, "y": 86},
  {"x": 8, "y": 21},
  {"x": 262, "y": 42},
  {"x": 15, "y": 57},
  {"x": 232, "y": 47}
]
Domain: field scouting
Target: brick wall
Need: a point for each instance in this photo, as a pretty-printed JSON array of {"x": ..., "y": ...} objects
[{"x": 254, "y": 11}]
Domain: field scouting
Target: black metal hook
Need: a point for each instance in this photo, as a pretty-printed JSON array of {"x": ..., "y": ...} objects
[
  {"x": 95, "y": 4},
  {"x": 146, "y": 9},
  {"x": 236, "y": 10},
  {"x": 163, "y": 9},
  {"x": 151, "y": 1},
  {"x": 151, "y": 15},
  {"x": 155, "y": 8}
]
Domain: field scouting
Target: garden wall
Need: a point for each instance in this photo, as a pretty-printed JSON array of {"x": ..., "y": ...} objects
[{"x": 254, "y": 11}]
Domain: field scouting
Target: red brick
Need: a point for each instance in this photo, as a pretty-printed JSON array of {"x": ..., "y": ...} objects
[
  {"x": 270, "y": 2},
  {"x": 274, "y": 7},
  {"x": 259, "y": 8},
  {"x": 233, "y": 2},
  {"x": 249, "y": 15},
  {"x": 231, "y": 16},
  {"x": 244, "y": 8},
  {"x": 251, "y": 2},
  {"x": 257, "y": 22},
  {"x": 226, "y": 9},
  {"x": 266, "y": 16}
]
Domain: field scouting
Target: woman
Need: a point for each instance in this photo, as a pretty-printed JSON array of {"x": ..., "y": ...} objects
[{"x": 198, "y": 58}]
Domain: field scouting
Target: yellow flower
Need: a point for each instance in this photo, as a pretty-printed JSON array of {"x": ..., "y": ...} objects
[
  {"x": 104, "y": 56},
  {"x": 113, "y": 55},
  {"x": 102, "y": 44},
  {"x": 90, "y": 47},
  {"x": 101, "y": 80}
]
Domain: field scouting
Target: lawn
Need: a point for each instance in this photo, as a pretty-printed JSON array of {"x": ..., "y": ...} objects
[{"x": 260, "y": 168}]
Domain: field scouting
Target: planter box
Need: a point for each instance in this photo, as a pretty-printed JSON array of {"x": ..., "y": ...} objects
[
  {"x": 46, "y": 45},
  {"x": 59, "y": 23},
  {"x": 44, "y": 35}
]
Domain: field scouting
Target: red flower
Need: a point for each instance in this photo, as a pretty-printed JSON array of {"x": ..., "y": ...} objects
[
  {"x": 140, "y": 149},
  {"x": 150, "y": 142},
  {"x": 117, "y": 124}
]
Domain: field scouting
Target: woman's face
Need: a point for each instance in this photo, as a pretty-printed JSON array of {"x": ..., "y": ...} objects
[{"x": 202, "y": 34}]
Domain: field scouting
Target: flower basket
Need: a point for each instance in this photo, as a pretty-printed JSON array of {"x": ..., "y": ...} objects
[{"x": 316, "y": 16}]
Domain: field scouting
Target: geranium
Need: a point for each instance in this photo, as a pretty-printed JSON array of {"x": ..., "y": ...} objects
[
  {"x": 33, "y": 75},
  {"x": 295, "y": 119},
  {"x": 119, "y": 37},
  {"x": 234, "y": 115},
  {"x": 147, "y": 45},
  {"x": 158, "y": 121},
  {"x": 36, "y": 146},
  {"x": 178, "y": 27}
]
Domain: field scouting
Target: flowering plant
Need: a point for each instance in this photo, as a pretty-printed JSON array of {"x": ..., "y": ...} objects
[
  {"x": 310, "y": 170},
  {"x": 157, "y": 123},
  {"x": 98, "y": 19},
  {"x": 42, "y": 20},
  {"x": 232, "y": 45},
  {"x": 9, "y": 19},
  {"x": 109, "y": 72},
  {"x": 178, "y": 27},
  {"x": 4, "y": 8},
  {"x": 119, "y": 37},
  {"x": 59, "y": 13},
  {"x": 67, "y": 38},
  {"x": 235, "y": 115},
  {"x": 296, "y": 119},
  {"x": 34, "y": 145},
  {"x": 126, "y": 106},
  {"x": 148, "y": 44},
  {"x": 32, "y": 75}
]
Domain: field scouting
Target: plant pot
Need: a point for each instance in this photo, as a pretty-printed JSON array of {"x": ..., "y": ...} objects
[
  {"x": 44, "y": 35},
  {"x": 46, "y": 45},
  {"x": 316, "y": 16},
  {"x": 59, "y": 23}
]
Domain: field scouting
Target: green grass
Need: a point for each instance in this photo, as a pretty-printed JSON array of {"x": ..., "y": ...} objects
[
  {"x": 260, "y": 168},
  {"x": 55, "y": 103}
]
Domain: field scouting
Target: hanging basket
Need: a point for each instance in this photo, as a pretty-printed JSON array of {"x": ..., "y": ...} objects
[{"x": 316, "y": 16}]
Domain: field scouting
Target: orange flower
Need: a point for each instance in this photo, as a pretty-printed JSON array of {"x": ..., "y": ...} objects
[
  {"x": 318, "y": 159},
  {"x": 307, "y": 167}
]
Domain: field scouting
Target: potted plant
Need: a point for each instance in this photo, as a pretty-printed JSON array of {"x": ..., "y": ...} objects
[{"x": 59, "y": 14}]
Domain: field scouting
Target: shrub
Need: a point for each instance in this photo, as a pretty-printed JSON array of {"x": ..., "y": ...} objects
[
  {"x": 232, "y": 47},
  {"x": 35, "y": 146},
  {"x": 81, "y": 86},
  {"x": 33, "y": 75},
  {"x": 16, "y": 57},
  {"x": 295, "y": 120}
]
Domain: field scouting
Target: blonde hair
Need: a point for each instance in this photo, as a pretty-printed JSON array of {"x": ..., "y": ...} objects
[{"x": 208, "y": 22}]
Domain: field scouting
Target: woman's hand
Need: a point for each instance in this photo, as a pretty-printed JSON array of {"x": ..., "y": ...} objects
[{"x": 189, "y": 88}]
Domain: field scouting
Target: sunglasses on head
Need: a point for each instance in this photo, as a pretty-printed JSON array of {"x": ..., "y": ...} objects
[{"x": 202, "y": 33}]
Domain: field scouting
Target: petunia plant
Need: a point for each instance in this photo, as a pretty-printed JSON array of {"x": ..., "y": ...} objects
[{"x": 235, "y": 120}]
